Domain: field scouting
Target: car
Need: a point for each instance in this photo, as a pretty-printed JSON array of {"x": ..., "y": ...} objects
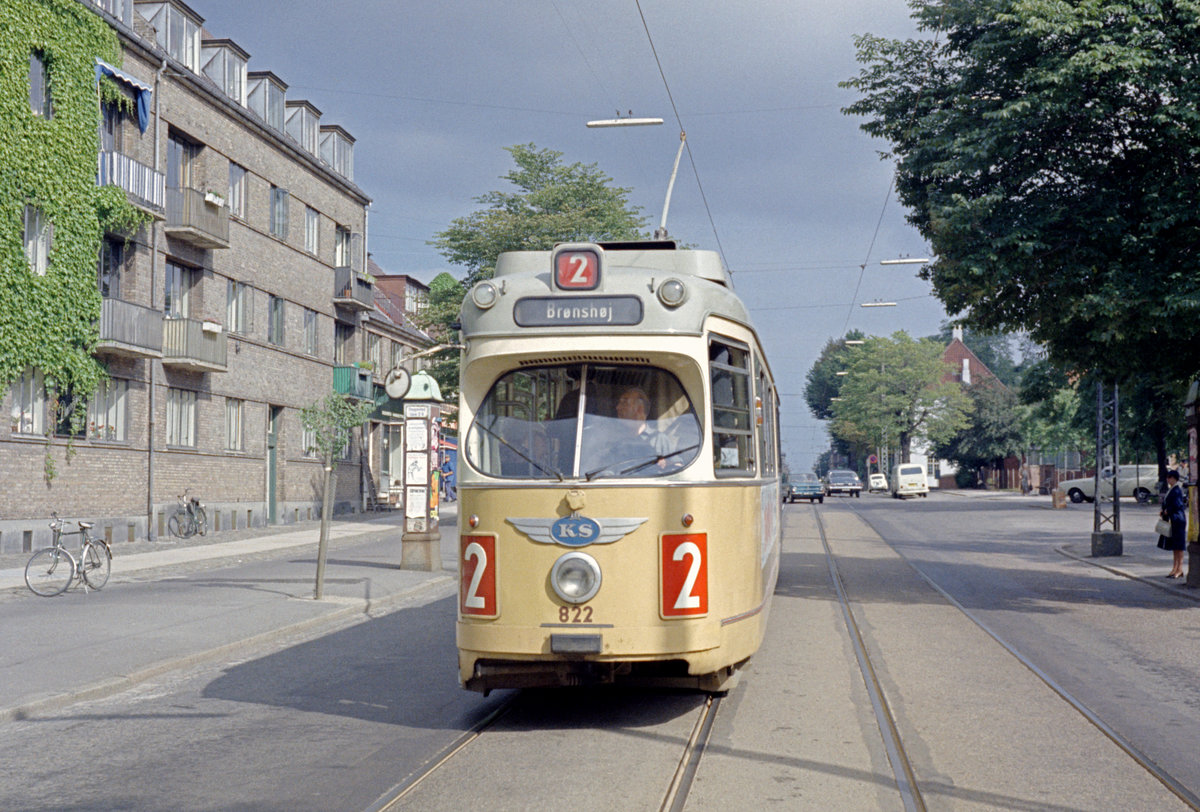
[
  {"x": 908, "y": 479},
  {"x": 877, "y": 482},
  {"x": 1139, "y": 482},
  {"x": 804, "y": 486},
  {"x": 842, "y": 481}
]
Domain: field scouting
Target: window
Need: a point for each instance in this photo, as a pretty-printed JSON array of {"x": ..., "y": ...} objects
[
  {"x": 39, "y": 235},
  {"x": 343, "y": 343},
  {"x": 279, "y": 212},
  {"x": 28, "y": 403},
  {"x": 625, "y": 421},
  {"x": 302, "y": 124},
  {"x": 341, "y": 247},
  {"x": 112, "y": 260},
  {"x": 111, "y": 132},
  {"x": 337, "y": 150},
  {"x": 266, "y": 97},
  {"x": 181, "y": 417},
  {"x": 312, "y": 230},
  {"x": 308, "y": 443},
  {"x": 177, "y": 291},
  {"x": 237, "y": 190},
  {"x": 39, "y": 85},
  {"x": 375, "y": 351},
  {"x": 310, "y": 331},
  {"x": 106, "y": 411},
  {"x": 931, "y": 467},
  {"x": 225, "y": 63},
  {"x": 733, "y": 429},
  {"x": 275, "y": 316},
  {"x": 174, "y": 30},
  {"x": 764, "y": 407},
  {"x": 237, "y": 307},
  {"x": 233, "y": 424}
]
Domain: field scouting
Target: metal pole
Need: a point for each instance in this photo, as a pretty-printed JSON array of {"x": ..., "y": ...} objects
[{"x": 661, "y": 232}]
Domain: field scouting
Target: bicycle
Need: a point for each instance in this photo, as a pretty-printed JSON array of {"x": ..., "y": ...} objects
[
  {"x": 53, "y": 569},
  {"x": 188, "y": 519}
]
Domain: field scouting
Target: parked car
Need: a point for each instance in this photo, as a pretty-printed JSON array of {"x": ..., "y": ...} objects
[
  {"x": 804, "y": 486},
  {"x": 908, "y": 479},
  {"x": 1137, "y": 481},
  {"x": 842, "y": 481},
  {"x": 877, "y": 482}
]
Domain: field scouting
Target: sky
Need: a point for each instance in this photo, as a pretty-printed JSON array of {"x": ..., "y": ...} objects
[{"x": 784, "y": 184}]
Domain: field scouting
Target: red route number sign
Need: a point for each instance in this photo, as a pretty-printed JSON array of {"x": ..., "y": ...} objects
[
  {"x": 684, "y": 574},
  {"x": 477, "y": 584},
  {"x": 577, "y": 270}
]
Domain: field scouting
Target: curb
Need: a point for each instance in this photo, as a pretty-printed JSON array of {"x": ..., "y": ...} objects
[
  {"x": 369, "y": 607},
  {"x": 1179, "y": 590}
]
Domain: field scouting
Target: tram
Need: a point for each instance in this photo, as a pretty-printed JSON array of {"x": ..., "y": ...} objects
[{"x": 618, "y": 479}]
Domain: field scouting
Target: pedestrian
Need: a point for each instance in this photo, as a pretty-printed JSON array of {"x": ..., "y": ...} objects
[
  {"x": 448, "y": 479},
  {"x": 1174, "y": 510}
]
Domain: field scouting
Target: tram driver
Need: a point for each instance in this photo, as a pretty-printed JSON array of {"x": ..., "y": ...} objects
[{"x": 634, "y": 441}]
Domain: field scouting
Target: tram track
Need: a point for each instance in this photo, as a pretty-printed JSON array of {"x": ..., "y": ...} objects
[
  {"x": 887, "y": 722},
  {"x": 674, "y": 799}
]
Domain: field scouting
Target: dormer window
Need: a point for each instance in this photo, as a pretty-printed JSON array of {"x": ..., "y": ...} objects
[
  {"x": 225, "y": 63},
  {"x": 302, "y": 122},
  {"x": 266, "y": 97},
  {"x": 337, "y": 150},
  {"x": 176, "y": 30}
]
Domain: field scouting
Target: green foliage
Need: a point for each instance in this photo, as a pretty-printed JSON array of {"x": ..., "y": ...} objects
[
  {"x": 895, "y": 391},
  {"x": 441, "y": 310},
  {"x": 331, "y": 421},
  {"x": 1050, "y": 153},
  {"x": 995, "y": 430},
  {"x": 823, "y": 382},
  {"x": 552, "y": 203},
  {"x": 49, "y": 321}
]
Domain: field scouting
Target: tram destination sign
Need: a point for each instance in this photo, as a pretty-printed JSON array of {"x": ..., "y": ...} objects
[{"x": 577, "y": 311}]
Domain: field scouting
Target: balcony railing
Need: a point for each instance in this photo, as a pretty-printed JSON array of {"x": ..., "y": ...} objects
[
  {"x": 353, "y": 382},
  {"x": 130, "y": 330},
  {"x": 145, "y": 187},
  {"x": 193, "y": 344},
  {"x": 197, "y": 218},
  {"x": 351, "y": 289}
]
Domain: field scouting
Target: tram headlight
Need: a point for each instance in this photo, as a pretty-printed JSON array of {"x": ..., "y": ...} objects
[
  {"x": 484, "y": 295},
  {"x": 575, "y": 577},
  {"x": 672, "y": 293}
]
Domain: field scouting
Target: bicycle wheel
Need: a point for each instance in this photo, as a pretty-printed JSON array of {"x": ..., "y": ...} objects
[
  {"x": 96, "y": 564},
  {"x": 49, "y": 572},
  {"x": 177, "y": 525},
  {"x": 201, "y": 521}
]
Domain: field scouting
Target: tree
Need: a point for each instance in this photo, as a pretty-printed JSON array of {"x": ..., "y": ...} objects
[
  {"x": 552, "y": 203},
  {"x": 331, "y": 421},
  {"x": 823, "y": 380},
  {"x": 995, "y": 430},
  {"x": 1050, "y": 154},
  {"x": 895, "y": 389},
  {"x": 441, "y": 310}
]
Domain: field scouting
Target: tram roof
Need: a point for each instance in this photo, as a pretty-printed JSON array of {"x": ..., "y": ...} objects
[{"x": 652, "y": 256}]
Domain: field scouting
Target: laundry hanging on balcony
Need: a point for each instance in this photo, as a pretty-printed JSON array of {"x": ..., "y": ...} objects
[{"x": 141, "y": 91}]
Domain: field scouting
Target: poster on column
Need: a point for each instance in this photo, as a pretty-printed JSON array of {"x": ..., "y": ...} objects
[
  {"x": 414, "y": 502},
  {"x": 416, "y": 437},
  {"x": 416, "y": 469}
]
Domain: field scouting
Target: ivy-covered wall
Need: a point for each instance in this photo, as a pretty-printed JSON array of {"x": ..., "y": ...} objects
[{"x": 50, "y": 321}]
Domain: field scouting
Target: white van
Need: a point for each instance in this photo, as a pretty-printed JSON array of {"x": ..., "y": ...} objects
[{"x": 908, "y": 479}]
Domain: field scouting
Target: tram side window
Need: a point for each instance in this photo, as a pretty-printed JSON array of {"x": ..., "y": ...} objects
[
  {"x": 765, "y": 415},
  {"x": 733, "y": 429},
  {"x": 517, "y": 432}
]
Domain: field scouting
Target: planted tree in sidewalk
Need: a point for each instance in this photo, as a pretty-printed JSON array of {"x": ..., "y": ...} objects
[{"x": 330, "y": 421}]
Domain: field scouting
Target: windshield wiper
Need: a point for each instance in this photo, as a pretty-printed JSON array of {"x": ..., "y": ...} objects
[
  {"x": 639, "y": 464},
  {"x": 519, "y": 452}
]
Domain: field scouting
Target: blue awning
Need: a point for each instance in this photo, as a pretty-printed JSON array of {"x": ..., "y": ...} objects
[{"x": 141, "y": 90}]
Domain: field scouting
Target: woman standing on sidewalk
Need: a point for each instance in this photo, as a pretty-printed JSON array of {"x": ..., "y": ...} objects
[{"x": 1174, "y": 510}]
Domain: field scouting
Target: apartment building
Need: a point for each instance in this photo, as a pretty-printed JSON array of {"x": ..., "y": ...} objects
[{"x": 222, "y": 317}]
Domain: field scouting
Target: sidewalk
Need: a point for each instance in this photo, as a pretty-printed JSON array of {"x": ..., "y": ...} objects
[{"x": 170, "y": 606}]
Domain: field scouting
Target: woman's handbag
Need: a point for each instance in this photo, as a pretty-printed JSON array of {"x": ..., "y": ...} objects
[{"x": 1163, "y": 528}]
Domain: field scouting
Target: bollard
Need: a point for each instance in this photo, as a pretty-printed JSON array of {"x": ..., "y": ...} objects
[{"x": 1058, "y": 499}]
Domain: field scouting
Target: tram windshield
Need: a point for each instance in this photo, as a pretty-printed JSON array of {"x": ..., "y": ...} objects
[{"x": 588, "y": 421}]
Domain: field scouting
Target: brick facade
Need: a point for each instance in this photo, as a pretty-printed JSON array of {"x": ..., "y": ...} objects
[{"x": 129, "y": 485}]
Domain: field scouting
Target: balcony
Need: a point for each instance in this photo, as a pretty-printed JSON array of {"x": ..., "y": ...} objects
[
  {"x": 197, "y": 218},
  {"x": 192, "y": 344},
  {"x": 353, "y": 382},
  {"x": 144, "y": 187},
  {"x": 130, "y": 330},
  {"x": 351, "y": 290}
]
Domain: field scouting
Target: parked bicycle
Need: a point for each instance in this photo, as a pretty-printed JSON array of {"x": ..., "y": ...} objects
[
  {"x": 189, "y": 518},
  {"x": 52, "y": 570}
]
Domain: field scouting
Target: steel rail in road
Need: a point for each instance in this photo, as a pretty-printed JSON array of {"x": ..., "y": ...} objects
[
  {"x": 677, "y": 790},
  {"x": 906, "y": 781},
  {"x": 1172, "y": 784}
]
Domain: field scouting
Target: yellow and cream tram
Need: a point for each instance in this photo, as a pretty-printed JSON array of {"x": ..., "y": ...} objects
[{"x": 619, "y": 513}]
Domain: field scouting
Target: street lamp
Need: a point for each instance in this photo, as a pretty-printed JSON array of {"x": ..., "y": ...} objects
[
  {"x": 905, "y": 261},
  {"x": 660, "y": 233},
  {"x": 877, "y": 303}
]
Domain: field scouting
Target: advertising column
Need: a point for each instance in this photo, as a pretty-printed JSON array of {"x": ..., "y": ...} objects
[{"x": 420, "y": 544}]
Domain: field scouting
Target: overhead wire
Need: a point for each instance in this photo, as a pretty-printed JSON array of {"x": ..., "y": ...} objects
[{"x": 682, "y": 130}]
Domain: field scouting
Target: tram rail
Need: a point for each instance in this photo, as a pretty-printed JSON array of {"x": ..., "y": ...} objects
[{"x": 887, "y": 723}]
